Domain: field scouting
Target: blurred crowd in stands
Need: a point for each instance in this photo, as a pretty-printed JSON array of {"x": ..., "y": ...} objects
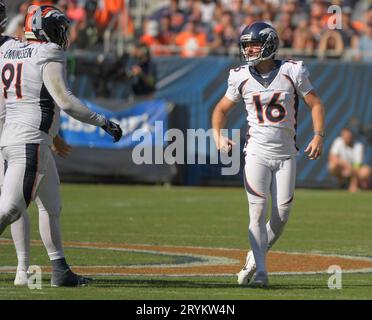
[
  {"x": 89, "y": 19},
  {"x": 202, "y": 27},
  {"x": 207, "y": 26}
]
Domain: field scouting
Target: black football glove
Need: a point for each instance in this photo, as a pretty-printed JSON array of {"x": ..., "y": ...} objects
[{"x": 113, "y": 129}]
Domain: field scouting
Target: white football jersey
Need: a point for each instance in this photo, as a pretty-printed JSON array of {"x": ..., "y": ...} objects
[
  {"x": 271, "y": 102},
  {"x": 31, "y": 114}
]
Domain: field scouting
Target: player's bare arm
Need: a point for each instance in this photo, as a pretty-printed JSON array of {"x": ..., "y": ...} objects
[
  {"x": 219, "y": 118},
  {"x": 315, "y": 147}
]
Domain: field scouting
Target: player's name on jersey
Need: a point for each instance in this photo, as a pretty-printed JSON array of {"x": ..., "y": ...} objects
[{"x": 18, "y": 54}]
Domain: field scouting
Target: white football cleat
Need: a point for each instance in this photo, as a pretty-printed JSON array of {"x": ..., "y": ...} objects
[
  {"x": 261, "y": 280},
  {"x": 21, "y": 278},
  {"x": 246, "y": 274}
]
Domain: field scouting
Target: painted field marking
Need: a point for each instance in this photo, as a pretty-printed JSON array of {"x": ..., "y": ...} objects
[{"x": 207, "y": 261}]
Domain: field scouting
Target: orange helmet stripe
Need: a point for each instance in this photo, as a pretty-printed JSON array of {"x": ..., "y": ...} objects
[{"x": 28, "y": 20}]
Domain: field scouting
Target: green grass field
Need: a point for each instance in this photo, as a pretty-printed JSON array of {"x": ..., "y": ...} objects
[{"x": 321, "y": 221}]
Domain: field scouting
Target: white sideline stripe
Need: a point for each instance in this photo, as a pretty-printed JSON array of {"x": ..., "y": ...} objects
[
  {"x": 175, "y": 75},
  {"x": 328, "y": 255}
]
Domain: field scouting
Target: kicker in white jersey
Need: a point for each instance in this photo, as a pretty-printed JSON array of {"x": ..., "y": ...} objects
[{"x": 271, "y": 102}]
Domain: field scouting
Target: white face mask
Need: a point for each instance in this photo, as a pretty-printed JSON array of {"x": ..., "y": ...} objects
[{"x": 252, "y": 60}]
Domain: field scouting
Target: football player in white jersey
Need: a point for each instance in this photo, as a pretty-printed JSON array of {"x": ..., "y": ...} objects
[
  {"x": 270, "y": 90},
  {"x": 49, "y": 224},
  {"x": 34, "y": 88}
]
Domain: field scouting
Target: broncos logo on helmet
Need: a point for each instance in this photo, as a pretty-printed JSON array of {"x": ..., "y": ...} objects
[
  {"x": 46, "y": 23},
  {"x": 263, "y": 34}
]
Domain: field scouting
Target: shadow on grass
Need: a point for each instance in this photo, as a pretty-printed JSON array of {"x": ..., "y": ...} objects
[
  {"x": 165, "y": 283},
  {"x": 101, "y": 282}
]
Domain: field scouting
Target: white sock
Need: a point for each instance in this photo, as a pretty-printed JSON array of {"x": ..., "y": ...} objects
[
  {"x": 20, "y": 231},
  {"x": 258, "y": 235}
]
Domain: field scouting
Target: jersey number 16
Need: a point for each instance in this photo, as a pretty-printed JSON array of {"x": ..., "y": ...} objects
[{"x": 274, "y": 111}]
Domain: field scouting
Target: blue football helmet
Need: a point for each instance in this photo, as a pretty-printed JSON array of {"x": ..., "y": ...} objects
[
  {"x": 48, "y": 24},
  {"x": 263, "y": 33}
]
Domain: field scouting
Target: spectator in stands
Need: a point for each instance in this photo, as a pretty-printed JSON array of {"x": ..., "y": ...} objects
[
  {"x": 359, "y": 10},
  {"x": 166, "y": 34},
  {"x": 303, "y": 39},
  {"x": 192, "y": 41},
  {"x": 141, "y": 71},
  {"x": 238, "y": 12},
  {"x": 316, "y": 28},
  {"x": 15, "y": 25},
  {"x": 174, "y": 11},
  {"x": 345, "y": 162},
  {"x": 74, "y": 11},
  {"x": 365, "y": 41},
  {"x": 151, "y": 35},
  {"x": 331, "y": 45},
  {"x": 256, "y": 11},
  {"x": 154, "y": 40},
  {"x": 291, "y": 8},
  {"x": 248, "y": 20},
  {"x": 318, "y": 19},
  {"x": 207, "y": 8},
  {"x": 285, "y": 30},
  {"x": 87, "y": 33},
  {"x": 319, "y": 11},
  {"x": 217, "y": 13},
  {"x": 138, "y": 70},
  {"x": 106, "y": 11},
  {"x": 224, "y": 34},
  {"x": 348, "y": 32},
  {"x": 194, "y": 11},
  {"x": 134, "y": 69},
  {"x": 268, "y": 15}
]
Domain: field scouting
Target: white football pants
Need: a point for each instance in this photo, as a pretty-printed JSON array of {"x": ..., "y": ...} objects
[
  {"x": 262, "y": 178},
  {"x": 24, "y": 181}
]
